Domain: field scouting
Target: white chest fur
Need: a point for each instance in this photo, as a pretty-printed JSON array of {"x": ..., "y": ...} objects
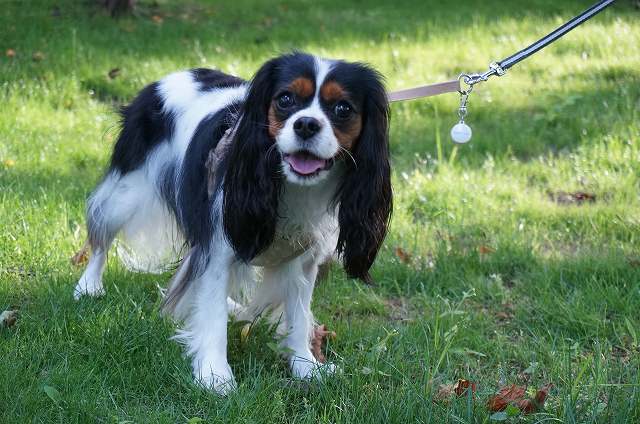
[{"x": 308, "y": 222}]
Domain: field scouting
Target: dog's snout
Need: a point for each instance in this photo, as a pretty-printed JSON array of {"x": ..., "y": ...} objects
[{"x": 306, "y": 127}]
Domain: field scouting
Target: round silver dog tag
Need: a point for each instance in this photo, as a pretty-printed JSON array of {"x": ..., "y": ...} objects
[{"x": 461, "y": 133}]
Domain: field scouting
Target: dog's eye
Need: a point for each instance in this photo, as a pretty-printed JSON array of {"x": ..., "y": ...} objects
[
  {"x": 342, "y": 110},
  {"x": 285, "y": 101}
]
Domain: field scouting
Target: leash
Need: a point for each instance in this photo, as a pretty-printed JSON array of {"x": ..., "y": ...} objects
[{"x": 461, "y": 132}]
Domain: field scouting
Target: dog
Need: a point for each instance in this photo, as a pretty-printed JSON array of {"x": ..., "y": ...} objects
[{"x": 302, "y": 175}]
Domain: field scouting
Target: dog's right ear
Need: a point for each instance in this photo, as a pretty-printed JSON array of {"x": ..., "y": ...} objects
[{"x": 252, "y": 180}]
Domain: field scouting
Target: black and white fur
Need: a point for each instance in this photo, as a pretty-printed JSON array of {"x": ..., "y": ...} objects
[{"x": 264, "y": 221}]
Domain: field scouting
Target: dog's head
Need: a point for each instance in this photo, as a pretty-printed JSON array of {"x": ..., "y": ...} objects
[{"x": 303, "y": 115}]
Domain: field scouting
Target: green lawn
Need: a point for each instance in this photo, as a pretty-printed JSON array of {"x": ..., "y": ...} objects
[{"x": 508, "y": 281}]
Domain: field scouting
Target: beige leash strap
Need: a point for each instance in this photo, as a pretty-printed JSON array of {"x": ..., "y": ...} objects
[{"x": 452, "y": 86}]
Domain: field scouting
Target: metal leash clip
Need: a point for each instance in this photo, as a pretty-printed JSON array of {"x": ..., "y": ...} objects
[{"x": 461, "y": 132}]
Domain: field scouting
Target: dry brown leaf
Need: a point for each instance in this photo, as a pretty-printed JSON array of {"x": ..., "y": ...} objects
[
  {"x": 81, "y": 256},
  {"x": 506, "y": 396},
  {"x": 8, "y": 318},
  {"x": 515, "y": 395},
  {"x": 37, "y": 56},
  {"x": 403, "y": 255},
  {"x": 320, "y": 334},
  {"x": 485, "y": 250},
  {"x": 461, "y": 387},
  {"x": 10, "y": 53},
  {"x": 528, "y": 406},
  {"x": 113, "y": 73},
  {"x": 157, "y": 19}
]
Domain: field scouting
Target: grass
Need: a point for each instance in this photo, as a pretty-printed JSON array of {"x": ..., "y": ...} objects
[{"x": 497, "y": 281}]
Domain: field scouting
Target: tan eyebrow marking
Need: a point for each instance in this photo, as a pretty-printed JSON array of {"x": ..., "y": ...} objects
[
  {"x": 332, "y": 91},
  {"x": 302, "y": 87}
]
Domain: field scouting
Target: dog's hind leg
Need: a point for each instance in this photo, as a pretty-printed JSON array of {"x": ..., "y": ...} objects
[{"x": 110, "y": 206}]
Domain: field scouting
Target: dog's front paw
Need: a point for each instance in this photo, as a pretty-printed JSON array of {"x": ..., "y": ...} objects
[
  {"x": 308, "y": 369},
  {"x": 89, "y": 287},
  {"x": 219, "y": 379}
]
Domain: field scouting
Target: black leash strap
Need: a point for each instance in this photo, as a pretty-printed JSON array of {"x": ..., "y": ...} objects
[
  {"x": 461, "y": 132},
  {"x": 550, "y": 38},
  {"x": 499, "y": 68}
]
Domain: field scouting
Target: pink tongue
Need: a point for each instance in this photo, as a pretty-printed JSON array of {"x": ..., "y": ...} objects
[{"x": 305, "y": 164}]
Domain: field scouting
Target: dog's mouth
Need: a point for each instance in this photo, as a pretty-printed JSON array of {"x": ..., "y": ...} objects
[{"x": 306, "y": 164}]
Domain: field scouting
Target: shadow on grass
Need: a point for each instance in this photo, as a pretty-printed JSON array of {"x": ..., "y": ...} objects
[
  {"x": 249, "y": 29},
  {"x": 550, "y": 123},
  {"x": 33, "y": 184}
]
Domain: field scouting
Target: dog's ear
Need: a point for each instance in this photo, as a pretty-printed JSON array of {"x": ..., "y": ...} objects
[
  {"x": 365, "y": 194},
  {"x": 252, "y": 179}
]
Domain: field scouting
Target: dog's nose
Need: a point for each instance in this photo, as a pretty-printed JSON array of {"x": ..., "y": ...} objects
[{"x": 306, "y": 127}]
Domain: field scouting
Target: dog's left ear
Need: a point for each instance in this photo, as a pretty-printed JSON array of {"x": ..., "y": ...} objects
[
  {"x": 252, "y": 180},
  {"x": 365, "y": 195}
]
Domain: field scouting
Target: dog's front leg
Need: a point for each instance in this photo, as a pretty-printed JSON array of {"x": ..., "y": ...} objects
[
  {"x": 205, "y": 334},
  {"x": 299, "y": 283}
]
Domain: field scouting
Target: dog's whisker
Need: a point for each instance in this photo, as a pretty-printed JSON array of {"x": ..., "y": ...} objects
[{"x": 348, "y": 153}]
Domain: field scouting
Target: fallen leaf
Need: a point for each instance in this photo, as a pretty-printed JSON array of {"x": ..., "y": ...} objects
[
  {"x": 461, "y": 387},
  {"x": 113, "y": 73},
  {"x": 506, "y": 396},
  {"x": 515, "y": 396},
  {"x": 37, "y": 56},
  {"x": 403, "y": 255},
  {"x": 10, "y": 53},
  {"x": 320, "y": 333},
  {"x": 8, "y": 318},
  {"x": 447, "y": 391},
  {"x": 538, "y": 401},
  {"x": 157, "y": 19},
  {"x": 81, "y": 256},
  {"x": 485, "y": 250}
]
